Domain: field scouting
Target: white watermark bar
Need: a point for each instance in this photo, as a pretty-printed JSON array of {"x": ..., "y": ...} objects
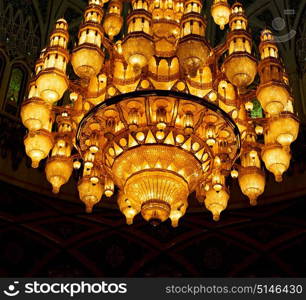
[{"x": 153, "y": 288}]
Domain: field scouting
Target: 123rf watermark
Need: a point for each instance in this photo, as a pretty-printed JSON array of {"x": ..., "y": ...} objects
[
  {"x": 61, "y": 288},
  {"x": 279, "y": 25},
  {"x": 256, "y": 289}
]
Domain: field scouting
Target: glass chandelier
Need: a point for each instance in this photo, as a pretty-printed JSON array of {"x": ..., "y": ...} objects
[{"x": 156, "y": 111}]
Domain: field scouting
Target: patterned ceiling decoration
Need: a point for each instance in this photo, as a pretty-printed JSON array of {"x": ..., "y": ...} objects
[
  {"x": 47, "y": 237},
  {"x": 19, "y": 30}
]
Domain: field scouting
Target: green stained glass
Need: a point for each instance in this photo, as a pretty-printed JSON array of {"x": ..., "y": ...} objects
[
  {"x": 257, "y": 110},
  {"x": 15, "y": 85}
]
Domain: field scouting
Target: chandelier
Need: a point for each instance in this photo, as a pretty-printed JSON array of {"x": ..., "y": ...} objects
[{"x": 157, "y": 112}]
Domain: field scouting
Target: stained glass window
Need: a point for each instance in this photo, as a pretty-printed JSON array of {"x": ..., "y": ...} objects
[
  {"x": 15, "y": 85},
  {"x": 15, "y": 90}
]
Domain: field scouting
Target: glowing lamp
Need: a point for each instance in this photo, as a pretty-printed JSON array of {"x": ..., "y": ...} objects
[
  {"x": 221, "y": 11},
  {"x": 87, "y": 60},
  {"x": 193, "y": 54},
  {"x": 252, "y": 183},
  {"x": 276, "y": 159},
  {"x": 38, "y": 145},
  {"x": 285, "y": 128},
  {"x": 58, "y": 171},
  {"x": 138, "y": 50},
  {"x": 273, "y": 97},
  {"x": 51, "y": 86},
  {"x": 36, "y": 114},
  {"x": 240, "y": 69},
  {"x": 216, "y": 202},
  {"x": 90, "y": 193}
]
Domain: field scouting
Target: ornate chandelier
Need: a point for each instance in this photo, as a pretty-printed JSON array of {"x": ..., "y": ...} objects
[{"x": 158, "y": 112}]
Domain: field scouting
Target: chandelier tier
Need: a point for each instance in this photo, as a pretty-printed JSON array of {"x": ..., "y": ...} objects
[{"x": 156, "y": 111}]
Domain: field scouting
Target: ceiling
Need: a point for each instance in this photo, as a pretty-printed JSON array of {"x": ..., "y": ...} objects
[
  {"x": 43, "y": 236},
  {"x": 47, "y": 237}
]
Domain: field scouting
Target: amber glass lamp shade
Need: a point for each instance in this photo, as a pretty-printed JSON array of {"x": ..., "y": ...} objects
[
  {"x": 252, "y": 183},
  {"x": 273, "y": 97},
  {"x": 276, "y": 159},
  {"x": 240, "y": 69},
  {"x": 38, "y": 145},
  {"x": 58, "y": 171},
  {"x": 36, "y": 114},
  {"x": 51, "y": 85},
  {"x": 216, "y": 202},
  {"x": 285, "y": 128},
  {"x": 221, "y": 11},
  {"x": 90, "y": 193}
]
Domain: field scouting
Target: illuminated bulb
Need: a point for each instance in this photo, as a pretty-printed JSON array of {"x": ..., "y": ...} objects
[
  {"x": 249, "y": 106},
  {"x": 160, "y": 134},
  {"x": 118, "y": 47},
  {"x": 74, "y": 97},
  {"x": 61, "y": 143},
  {"x": 109, "y": 187},
  {"x": 259, "y": 130},
  {"x": 234, "y": 173},
  {"x": 77, "y": 164},
  {"x": 210, "y": 135},
  {"x": 94, "y": 149},
  {"x": 223, "y": 84},
  {"x": 212, "y": 96},
  {"x": 216, "y": 202},
  {"x": 94, "y": 179},
  {"x": 88, "y": 165},
  {"x": 217, "y": 187},
  {"x": 218, "y": 180},
  {"x": 126, "y": 208}
]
